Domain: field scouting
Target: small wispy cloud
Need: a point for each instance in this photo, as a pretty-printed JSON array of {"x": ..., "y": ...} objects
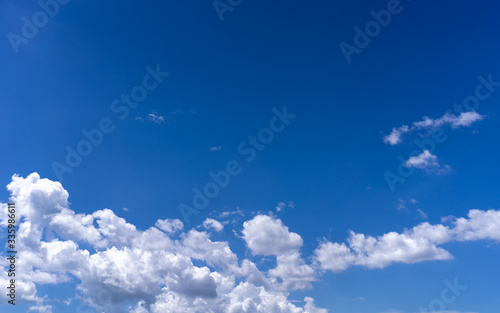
[
  {"x": 237, "y": 211},
  {"x": 152, "y": 117},
  {"x": 282, "y": 205},
  {"x": 68, "y": 301},
  {"x": 465, "y": 119},
  {"x": 215, "y": 148},
  {"x": 400, "y": 205},
  {"x": 427, "y": 161},
  {"x": 422, "y": 214}
]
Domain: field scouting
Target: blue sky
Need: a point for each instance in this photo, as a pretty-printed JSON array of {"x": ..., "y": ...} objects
[{"x": 354, "y": 122}]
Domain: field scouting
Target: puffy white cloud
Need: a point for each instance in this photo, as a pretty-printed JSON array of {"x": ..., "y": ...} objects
[
  {"x": 311, "y": 308},
  {"x": 417, "y": 244},
  {"x": 76, "y": 227},
  {"x": 265, "y": 235},
  {"x": 427, "y": 161},
  {"x": 378, "y": 252},
  {"x": 189, "y": 274},
  {"x": 393, "y": 247},
  {"x": 216, "y": 254},
  {"x": 170, "y": 226},
  {"x": 210, "y": 223},
  {"x": 437, "y": 234},
  {"x": 247, "y": 298},
  {"x": 192, "y": 272},
  {"x": 335, "y": 257},
  {"x": 37, "y": 199},
  {"x": 244, "y": 298},
  {"x": 479, "y": 225},
  {"x": 465, "y": 119},
  {"x": 294, "y": 272},
  {"x": 423, "y": 160},
  {"x": 115, "y": 229}
]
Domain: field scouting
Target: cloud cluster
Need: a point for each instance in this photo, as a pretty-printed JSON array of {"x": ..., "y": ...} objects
[
  {"x": 465, "y": 119},
  {"x": 187, "y": 271},
  {"x": 420, "y": 243},
  {"x": 104, "y": 257}
]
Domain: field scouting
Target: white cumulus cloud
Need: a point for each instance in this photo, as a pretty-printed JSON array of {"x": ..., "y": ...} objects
[{"x": 187, "y": 270}]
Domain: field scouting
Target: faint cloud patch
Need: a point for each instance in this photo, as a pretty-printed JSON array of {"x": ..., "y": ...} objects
[
  {"x": 236, "y": 211},
  {"x": 152, "y": 117},
  {"x": 282, "y": 205},
  {"x": 422, "y": 214},
  {"x": 230, "y": 217},
  {"x": 400, "y": 205},
  {"x": 215, "y": 148}
]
